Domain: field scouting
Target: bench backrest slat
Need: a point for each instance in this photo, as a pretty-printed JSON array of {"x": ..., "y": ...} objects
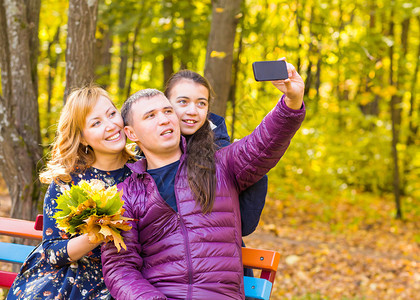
[
  {"x": 14, "y": 253},
  {"x": 6, "y": 279},
  {"x": 265, "y": 260},
  {"x": 257, "y": 288},
  {"x": 260, "y": 259},
  {"x": 19, "y": 228}
]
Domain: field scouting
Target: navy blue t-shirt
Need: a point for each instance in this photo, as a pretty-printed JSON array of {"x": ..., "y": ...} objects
[{"x": 165, "y": 180}]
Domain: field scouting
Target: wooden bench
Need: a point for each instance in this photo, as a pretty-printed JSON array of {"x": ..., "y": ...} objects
[
  {"x": 16, "y": 253},
  {"x": 259, "y": 288},
  {"x": 265, "y": 260}
]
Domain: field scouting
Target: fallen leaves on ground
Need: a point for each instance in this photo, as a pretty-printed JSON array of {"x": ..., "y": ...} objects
[{"x": 345, "y": 248}]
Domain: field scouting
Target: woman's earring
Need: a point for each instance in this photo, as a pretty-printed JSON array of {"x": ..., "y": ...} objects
[{"x": 86, "y": 149}]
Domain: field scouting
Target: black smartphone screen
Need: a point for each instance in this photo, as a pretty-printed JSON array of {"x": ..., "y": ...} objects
[{"x": 270, "y": 70}]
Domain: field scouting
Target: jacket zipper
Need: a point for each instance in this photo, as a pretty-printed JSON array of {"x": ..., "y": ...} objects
[
  {"x": 185, "y": 234},
  {"x": 187, "y": 249}
]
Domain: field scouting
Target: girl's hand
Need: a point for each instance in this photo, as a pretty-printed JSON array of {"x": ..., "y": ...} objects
[{"x": 293, "y": 87}]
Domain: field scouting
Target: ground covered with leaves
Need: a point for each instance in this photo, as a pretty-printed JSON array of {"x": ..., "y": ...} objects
[{"x": 349, "y": 247}]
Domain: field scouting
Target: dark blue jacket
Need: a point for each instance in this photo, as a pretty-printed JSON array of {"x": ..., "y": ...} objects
[{"x": 252, "y": 200}]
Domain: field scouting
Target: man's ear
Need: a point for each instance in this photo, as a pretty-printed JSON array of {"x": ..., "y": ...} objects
[{"x": 129, "y": 132}]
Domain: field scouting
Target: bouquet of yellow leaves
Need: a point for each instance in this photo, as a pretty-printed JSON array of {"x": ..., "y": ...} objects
[{"x": 91, "y": 208}]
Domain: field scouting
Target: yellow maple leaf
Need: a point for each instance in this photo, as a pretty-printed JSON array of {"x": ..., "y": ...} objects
[
  {"x": 118, "y": 241},
  {"x": 93, "y": 230}
]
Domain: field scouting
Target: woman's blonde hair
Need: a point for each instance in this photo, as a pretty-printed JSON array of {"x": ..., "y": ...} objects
[{"x": 68, "y": 154}]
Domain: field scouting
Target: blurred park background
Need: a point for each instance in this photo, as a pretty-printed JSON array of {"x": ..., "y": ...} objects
[{"x": 344, "y": 203}]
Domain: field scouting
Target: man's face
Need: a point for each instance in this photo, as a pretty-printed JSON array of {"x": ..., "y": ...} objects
[{"x": 154, "y": 126}]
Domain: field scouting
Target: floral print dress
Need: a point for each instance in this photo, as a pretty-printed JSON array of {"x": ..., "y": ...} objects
[{"x": 48, "y": 272}]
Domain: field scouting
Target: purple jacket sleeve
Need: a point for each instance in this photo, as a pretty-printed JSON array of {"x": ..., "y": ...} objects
[
  {"x": 254, "y": 155},
  {"x": 122, "y": 269}
]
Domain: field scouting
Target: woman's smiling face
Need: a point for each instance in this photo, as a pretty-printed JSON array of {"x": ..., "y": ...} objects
[
  {"x": 190, "y": 101},
  {"x": 103, "y": 129}
]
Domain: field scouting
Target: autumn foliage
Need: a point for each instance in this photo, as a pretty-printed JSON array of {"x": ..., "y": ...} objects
[{"x": 91, "y": 208}]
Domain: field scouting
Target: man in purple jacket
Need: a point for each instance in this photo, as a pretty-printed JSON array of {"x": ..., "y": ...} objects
[{"x": 177, "y": 248}]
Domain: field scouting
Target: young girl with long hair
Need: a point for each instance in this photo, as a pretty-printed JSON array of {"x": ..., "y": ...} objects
[
  {"x": 90, "y": 144},
  {"x": 191, "y": 96}
]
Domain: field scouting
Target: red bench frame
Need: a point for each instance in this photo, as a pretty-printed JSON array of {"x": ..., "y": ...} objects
[{"x": 22, "y": 229}]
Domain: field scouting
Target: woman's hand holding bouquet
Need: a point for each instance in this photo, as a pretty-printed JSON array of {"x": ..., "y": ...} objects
[{"x": 91, "y": 208}]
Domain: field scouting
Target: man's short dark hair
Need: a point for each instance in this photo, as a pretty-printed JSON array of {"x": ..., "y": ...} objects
[{"x": 126, "y": 108}]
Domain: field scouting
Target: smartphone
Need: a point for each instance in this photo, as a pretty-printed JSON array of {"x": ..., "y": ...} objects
[{"x": 270, "y": 70}]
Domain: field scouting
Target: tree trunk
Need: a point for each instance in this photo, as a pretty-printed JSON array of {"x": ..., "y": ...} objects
[
  {"x": 20, "y": 151},
  {"x": 102, "y": 64},
  {"x": 168, "y": 66},
  {"x": 402, "y": 78},
  {"x": 80, "y": 44},
  {"x": 52, "y": 70},
  {"x": 233, "y": 88},
  {"x": 371, "y": 108},
  {"x": 134, "y": 55},
  {"x": 308, "y": 81},
  {"x": 413, "y": 126},
  {"x": 134, "y": 52},
  {"x": 339, "y": 74},
  {"x": 318, "y": 81},
  {"x": 218, "y": 68},
  {"x": 395, "y": 117},
  {"x": 123, "y": 66},
  {"x": 313, "y": 48},
  {"x": 299, "y": 29},
  {"x": 32, "y": 12},
  {"x": 186, "y": 44},
  {"x": 168, "y": 55}
]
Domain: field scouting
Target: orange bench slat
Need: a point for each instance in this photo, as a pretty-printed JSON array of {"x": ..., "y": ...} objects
[
  {"x": 260, "y": 259},
  {"x": 19, "y": 228},
  {"x": 265, "y": 260}
]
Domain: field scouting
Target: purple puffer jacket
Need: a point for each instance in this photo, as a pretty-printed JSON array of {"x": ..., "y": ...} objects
[{"x": 189, "y": 255}]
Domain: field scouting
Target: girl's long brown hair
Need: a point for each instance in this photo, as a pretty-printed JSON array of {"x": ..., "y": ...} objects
[
  {"x": 201, "y": 163},
  {"x": 68, "y": 154}
]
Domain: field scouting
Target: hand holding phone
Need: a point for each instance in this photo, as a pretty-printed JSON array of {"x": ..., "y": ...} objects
[
  {"x": 278, "y": 72},
  {"x": 270, "y": 70}
]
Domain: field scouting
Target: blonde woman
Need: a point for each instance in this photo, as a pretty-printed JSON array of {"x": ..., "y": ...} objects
[{"x": 90, "y": 144}]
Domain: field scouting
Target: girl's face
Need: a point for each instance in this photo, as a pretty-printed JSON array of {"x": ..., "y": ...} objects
[
  {"x": 190, "y": 101},
  {"x": 104, "y": 129}
]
